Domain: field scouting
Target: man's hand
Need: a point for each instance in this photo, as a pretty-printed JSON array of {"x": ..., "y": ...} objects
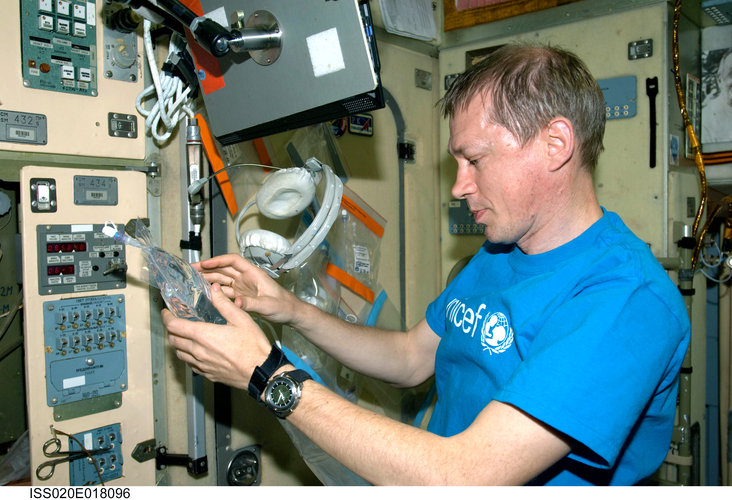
[
  {"x": 221, "y": 353},
  {"x": 250, "y": 287}
]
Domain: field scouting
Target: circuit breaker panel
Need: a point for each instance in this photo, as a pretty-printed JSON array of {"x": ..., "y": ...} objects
[
  {"x": 72, "y": 72},
  {"x": 59, "y": 46},
  {"x": 87, "y": 328}
]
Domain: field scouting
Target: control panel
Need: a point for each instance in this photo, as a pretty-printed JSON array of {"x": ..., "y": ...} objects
[
  {"x": 86, "y": 348},
  {"x": 106, "y": 444},
  {"x": 87, "y": 335},
  {"x": 59, "y": 45},
  {"x": 620, "y": 97},
  {"x": 461, "y": 220},
  {"x": 72, "y": 71},
  {"x": 78, "y": 257}
]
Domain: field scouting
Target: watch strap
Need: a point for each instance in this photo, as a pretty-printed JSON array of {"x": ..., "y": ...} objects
[
  {"x": 264, "y": 372},
  {"x": 299, "y": 376}
]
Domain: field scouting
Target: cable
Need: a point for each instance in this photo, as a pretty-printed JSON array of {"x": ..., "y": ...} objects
[
  {"x": 693, "y": 140},
  {"x": 197, "y": 185},
  {"x": 716, "y": 280},
  {"x": 721, "y": 258},
  {"x": 718, "y": 255},
  {"x": 174, "y": 99},
  {"x": 91, "y": 457}
]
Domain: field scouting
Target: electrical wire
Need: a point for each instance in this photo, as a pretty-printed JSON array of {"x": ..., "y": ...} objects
[
  {"x": 718, "y": 255},
  {"x": 721, "y": 258},
  {"x": 716, "y": 280},
  {"x": 83, "y": 448},
  {"x": 695, "y": 145},
  {"x": 197, "y": 185},
  {"x": 173, "y": 97}
]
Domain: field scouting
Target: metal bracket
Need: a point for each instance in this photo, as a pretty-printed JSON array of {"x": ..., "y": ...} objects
[
  {"x": 154, "y": 181},
  {"x": 640, "y": 49},
  {"x": 152, "y": 169},
  {"x": 195, "y": 467},
  {"x": 406, "y": 151},
  {"x": 144, "y": 451}
]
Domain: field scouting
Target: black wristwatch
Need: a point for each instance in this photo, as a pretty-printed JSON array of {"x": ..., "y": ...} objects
[
  {"x": 283, "y": 392},
  {"x": 263, "y": 373}
]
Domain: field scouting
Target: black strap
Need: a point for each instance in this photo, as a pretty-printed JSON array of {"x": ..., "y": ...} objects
[
  {"x": 264, "y": 372},
  {"x": 299, "y": 376},
  {"x": 652, "y": 92}
]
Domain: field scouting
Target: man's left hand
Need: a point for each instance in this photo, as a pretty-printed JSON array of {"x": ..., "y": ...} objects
[{"x": 222, "y": 353}]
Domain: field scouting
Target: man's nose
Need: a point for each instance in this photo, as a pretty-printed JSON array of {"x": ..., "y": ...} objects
[{"x": 464, "y": 184}]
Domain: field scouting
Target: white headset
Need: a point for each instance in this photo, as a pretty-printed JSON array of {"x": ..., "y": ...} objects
[{"x": 286, "y": 193}]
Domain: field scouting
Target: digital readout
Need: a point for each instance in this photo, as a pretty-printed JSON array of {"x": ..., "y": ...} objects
[
  {"x": 66, "y": 247},
  {"x": 60, "y": 270}
]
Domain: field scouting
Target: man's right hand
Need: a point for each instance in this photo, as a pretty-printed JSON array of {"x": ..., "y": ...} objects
[{"x": 250, "y": 287}]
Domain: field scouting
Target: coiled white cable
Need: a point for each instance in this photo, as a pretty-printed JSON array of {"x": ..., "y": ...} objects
[{"x": 173, "y": 98}]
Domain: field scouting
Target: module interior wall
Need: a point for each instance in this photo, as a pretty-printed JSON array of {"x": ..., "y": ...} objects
[
  {"x": 374, "y": 174},
  {"x": 624, "y": 181}
]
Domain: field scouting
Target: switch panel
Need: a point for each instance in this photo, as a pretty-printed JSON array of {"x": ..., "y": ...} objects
[
  {"x": 620, "y": 97},
  {"x": 461, "y": 220},
  {"x": 85, "y": 342},
  {"x": 64, "y": 70},
  {"x": 108, "y": 465},
  {"x": 78, "y": 258},
  {"x": 59, "y": 38}
]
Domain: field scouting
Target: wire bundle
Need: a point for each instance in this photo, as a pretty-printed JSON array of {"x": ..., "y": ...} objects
[{"x": 174, "y": 97}]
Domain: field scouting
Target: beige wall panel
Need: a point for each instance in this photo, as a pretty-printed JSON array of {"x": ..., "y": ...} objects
[
  {"x": 375, "y": 178},
  {"x": 77, "y": 125},
  {"x": 624, "y": 180},
  {"x": 135, "y": 414}
]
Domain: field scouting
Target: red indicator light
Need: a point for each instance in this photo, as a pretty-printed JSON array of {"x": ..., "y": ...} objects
[{"x": 60, "y": 270}]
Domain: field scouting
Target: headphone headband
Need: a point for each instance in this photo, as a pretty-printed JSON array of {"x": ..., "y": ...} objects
[{"x": 295, "y": 199}]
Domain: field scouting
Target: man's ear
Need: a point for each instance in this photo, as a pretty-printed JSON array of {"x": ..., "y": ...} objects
[{"x": 559, "y": 135}]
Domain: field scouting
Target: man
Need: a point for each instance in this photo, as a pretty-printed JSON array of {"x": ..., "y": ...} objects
[{"x": 556, "y": 351}]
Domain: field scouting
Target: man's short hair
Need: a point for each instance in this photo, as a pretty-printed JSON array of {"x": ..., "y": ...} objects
[{"x": 529, "y": 85}]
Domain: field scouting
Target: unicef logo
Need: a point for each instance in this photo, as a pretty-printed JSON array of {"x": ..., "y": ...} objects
[{"x": 496, "y": 335}]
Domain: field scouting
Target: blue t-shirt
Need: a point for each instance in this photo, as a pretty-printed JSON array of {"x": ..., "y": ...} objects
[{"x": 587, "y": 338}]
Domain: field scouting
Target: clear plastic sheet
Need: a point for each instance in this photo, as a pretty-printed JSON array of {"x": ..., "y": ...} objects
[
  {"x": 184, "y": 290},
  {"x": 15, "y": 465}
]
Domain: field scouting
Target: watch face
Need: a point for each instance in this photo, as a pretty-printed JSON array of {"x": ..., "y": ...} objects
[{"x": 281, "y": 394}]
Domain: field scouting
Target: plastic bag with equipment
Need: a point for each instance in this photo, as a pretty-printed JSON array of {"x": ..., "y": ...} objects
[
  {"x": 355, "y": 240},
  {"x": 186, "y": 293}
]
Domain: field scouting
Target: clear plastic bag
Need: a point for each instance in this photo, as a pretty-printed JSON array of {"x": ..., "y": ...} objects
[
  {"x": 184, "y": 290},
  {"x": 326, "y": 468},
  {"x": 15, "y": 465},
  {"x": 355, "y": 240}
]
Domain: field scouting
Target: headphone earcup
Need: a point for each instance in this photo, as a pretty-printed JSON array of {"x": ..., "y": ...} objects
[
  {"x": 266, "y": 240},
  {"x": 286, "y": 193}
]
